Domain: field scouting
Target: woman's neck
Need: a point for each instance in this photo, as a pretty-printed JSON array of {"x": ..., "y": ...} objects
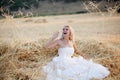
[{"x": 66, "y": 39}]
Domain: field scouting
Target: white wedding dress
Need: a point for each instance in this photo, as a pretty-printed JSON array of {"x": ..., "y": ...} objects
[{"x": 65, "y": 67}]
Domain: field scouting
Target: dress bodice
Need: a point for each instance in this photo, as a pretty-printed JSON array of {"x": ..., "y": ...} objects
[{"x": 66, "y": 51}]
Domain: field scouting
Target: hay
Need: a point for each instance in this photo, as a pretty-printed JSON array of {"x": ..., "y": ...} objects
[
  {"x": 21, "y": 58},
  {"x": 28, "y": 58},
  {"x": 41, "y": 21}
]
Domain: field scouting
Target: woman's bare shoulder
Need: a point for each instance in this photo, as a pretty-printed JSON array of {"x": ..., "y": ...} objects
[{"x": 59, "y": 40}]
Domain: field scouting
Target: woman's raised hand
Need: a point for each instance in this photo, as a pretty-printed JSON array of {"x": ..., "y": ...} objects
[{"x": 55, "y": 35}]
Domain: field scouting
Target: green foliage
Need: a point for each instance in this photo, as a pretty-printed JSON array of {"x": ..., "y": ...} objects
[
  {"x": 16, "y": 4},
  {"x": 4, "y": 2},
  {"x": 68, "y": 1}
]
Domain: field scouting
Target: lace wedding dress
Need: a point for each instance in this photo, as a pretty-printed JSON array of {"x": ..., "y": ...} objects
[{"x": 65, "y": 67}]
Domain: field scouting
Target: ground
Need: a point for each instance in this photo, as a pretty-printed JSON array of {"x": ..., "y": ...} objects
[{"x": 21, "y": 40}]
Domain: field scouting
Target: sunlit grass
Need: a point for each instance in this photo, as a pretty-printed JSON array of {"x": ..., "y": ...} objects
[{"x": 21, "y": 43}]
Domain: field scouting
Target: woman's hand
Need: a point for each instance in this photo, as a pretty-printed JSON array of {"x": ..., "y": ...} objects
[
  {"x": 52, "y": 42},
  {"x": 81, "y": 54},
  {"x": 86, "y": 57},
  {"x": 55, "y": 35},
  {"x": 78, "y": 52}
]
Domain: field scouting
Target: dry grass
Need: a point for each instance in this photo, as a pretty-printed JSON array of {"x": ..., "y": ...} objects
[
  {"x": 21, "y": 41},
  {"x": 24, "y": 61}
]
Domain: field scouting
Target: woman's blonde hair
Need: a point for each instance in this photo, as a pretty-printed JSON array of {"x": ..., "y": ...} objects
[{"x": 71, "y": 36}]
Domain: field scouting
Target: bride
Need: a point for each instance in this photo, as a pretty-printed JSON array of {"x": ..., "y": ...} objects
[{"x": 66, "y": 67}]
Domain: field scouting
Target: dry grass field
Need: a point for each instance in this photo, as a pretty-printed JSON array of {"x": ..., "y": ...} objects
[{"x": 21, "y": 41}]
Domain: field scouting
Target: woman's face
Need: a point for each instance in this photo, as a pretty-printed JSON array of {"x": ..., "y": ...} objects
[{"x": 66, "y": 32}]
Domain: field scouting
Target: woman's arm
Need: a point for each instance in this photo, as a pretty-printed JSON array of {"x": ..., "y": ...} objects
[
  {"x": 77, "y": 51},
  {"x": 52, "y": 42}
]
